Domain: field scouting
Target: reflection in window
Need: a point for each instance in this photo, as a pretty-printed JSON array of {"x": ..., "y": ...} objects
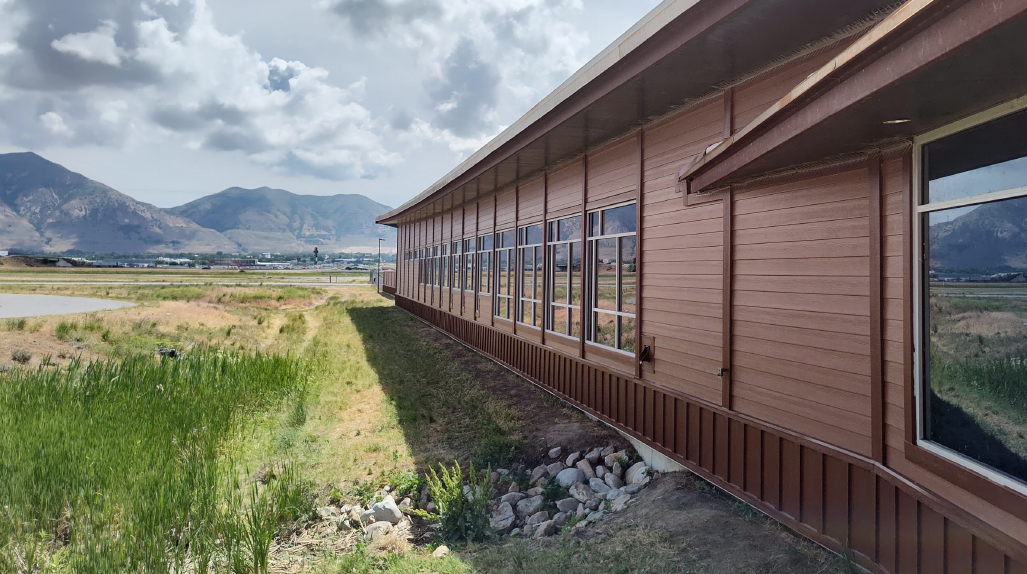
[
  {"x": 484, "y": 260},
  {"x": 563, "y": 273},
  {"x": 611, "y": 256},
  {"x": 974, "y": 295},
  {"x": 529, "y": 274},
  {"x": 505, "y": 276}
]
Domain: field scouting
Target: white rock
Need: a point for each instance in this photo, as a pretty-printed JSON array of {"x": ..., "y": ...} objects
[
  {"x": 586, "y": 467},
  {"x": 548, "y": 528},
  {"x": 601, "y": 471},
  {"x": 608, "y": 451},
  {"x": 514, "y": 487},
  {"x": 593, "y": 455},
  {"x": 440, "y": 552},
  {"x": 537, "y": 518},
  {"x": 386, "y": 511},
  {"x": 612, "y": 481},
  {"x": 555, "y": 468},
  {"x": 581, "y": 492},
  {"x": 598, "y": 486},
  {"x": 581, "y": 512},
  {"x": 503, "y": 518},
  {"x": 611, "y": 459},
  {"x": 345, "y": 525},
  {"x": 406, "y": 505},
  {"x": 596, "y": 516},
  {"x": 513, "y": 497},
  {"x": 572, "y": 459},
  {"x": 530, "y": 506},
  {"x": 329, "y": 512},
  {"x": 637, "y": 474},
  {"x": 617, "y": 470},
  {"x": 620, "y": 503},
  {"x": 367, "y": 517},
  {"x": 569, "y": 476},
  {"x": 535, "y": 491},
  {"x": 556, "y": 452},
  {"x": 377, "y": 530},
  {"x": 614, "y": 494},
  {"x": 539, "y": 472}
]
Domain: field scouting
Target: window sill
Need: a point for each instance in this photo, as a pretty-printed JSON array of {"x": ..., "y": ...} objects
[{"x": 968, "y": 479}]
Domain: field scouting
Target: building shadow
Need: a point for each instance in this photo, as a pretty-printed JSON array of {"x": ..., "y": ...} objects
[{"x": 958, "y": 430}]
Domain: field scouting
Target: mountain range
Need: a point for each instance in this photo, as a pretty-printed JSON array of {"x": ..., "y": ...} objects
[
  {"x": 45, "y": 207},
  {"x": 991, "y": 238}
]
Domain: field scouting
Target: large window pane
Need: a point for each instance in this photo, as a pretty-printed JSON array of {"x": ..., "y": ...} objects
[
  {"x": 628, "y": 282},
  {"x": 606, "y": 274},
  {"x": 619, "y": 220},
  {"x": 627, "y": 333},
  {"x": 976, "y": 326},
  {"x": 575, "y": 287},
  {"x": 560, "y": 274},
  {"x": 605, "y": 329},
  {"x": 528, "y": 274},
  {"x": 570, "y": 228},
  {"x": 989, "y": 157}
]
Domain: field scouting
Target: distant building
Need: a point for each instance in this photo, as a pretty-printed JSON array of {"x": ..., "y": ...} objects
[{"x": 235, "y": 262}]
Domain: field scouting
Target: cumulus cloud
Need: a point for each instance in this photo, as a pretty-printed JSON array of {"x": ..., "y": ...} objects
[
  {"x": 115, "y": 73},
  {"x": 484, "y": 60},
  {"x": 96, "y": 46}
]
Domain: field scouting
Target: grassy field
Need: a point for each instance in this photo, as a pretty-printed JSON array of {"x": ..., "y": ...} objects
[
  {"x": 285, "y": 399},
  {"x": 979, "y": 371}
]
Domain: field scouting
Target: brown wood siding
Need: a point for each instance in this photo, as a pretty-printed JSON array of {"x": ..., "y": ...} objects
[
  {"x": 564, "y": 194},
  {"x": 802, "y": 351},
  {"x": 486, "y": 207},
  {"x": 838, "y": 499},
  {"x": 613, "y": 175},
  {"x": 682, "y": 286},
  {"x": 753, "y": 97},
  {"x": 506, "y": 210},
  {"x": 529, "y": 202}
]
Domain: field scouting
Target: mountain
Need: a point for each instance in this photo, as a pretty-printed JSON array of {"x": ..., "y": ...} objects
[
  {"x": 991, "y": 238},
  {"x": 268, "y": 219},
  {"x": 45, "y": 207}
]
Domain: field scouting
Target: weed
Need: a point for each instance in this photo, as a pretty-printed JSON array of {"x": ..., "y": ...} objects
[
  {"x": 295, "y": 324},
  {"x": 65, "y": 329},
  {"x": 93, "y": 324},
  {"x": 20, "y": 356},
  {"x": 747, "y": 511},
  {"x": 462, "y": 515},
  {"x": 16, "y": 324}
]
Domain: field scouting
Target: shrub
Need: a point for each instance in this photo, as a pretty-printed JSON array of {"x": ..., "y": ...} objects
[
  {"x": 294, "y": 325},
  {"x": 463, "y": 517},
  {"x": 21, "y": 356},
  {"x": 16, "y": 324},
  {"x": 65, "y": 329}
]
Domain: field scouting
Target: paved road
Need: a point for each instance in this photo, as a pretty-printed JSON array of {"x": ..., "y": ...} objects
[{"x": 17, "y": 306}]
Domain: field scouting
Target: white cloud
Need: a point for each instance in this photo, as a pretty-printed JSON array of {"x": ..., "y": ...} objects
[
  {"x": 55, "y": 123},
  {"x": 7, "y": 48},
  {"x": 96, "y": 46}
]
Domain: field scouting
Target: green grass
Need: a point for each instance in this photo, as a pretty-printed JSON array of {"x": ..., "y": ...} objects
[
  {"x": 184, "y": 293},
  {"x": 120, "y": 466},
  {"x": 1001, "y": 380}
]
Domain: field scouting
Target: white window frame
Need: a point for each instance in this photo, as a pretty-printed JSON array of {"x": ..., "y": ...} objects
[
  {"x": 919, "y": 210},
  {"x": 550, "y": 278},
  {"x": 536, "y": 249}
]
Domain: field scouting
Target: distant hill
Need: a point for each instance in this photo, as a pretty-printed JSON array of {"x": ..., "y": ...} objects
[
  {"x": 274, "y": 219},
  {"x": 991, "y": 238},
  {"x": 47, "y": 208}
]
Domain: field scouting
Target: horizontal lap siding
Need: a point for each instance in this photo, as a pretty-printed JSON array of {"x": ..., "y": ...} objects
[
  {"x": 801, "y": 349},
  {"x": 682, "y": 284},
  {"x": 485, "y": 209},
  {"x": 613, "y": 175},
  {"x": 563, "y": 196},
  {"x": 894, "y": 181},
  {"x": 529, "y": 202},
  {"x": 754, "y": 97},
  {"x": 506, "y": 210}
]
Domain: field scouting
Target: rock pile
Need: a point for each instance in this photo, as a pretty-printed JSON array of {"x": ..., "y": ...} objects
[{"x": 571, "y": 491}]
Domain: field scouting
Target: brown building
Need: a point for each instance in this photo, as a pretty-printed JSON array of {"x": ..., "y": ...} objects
[{"x": 777, "y": 240}]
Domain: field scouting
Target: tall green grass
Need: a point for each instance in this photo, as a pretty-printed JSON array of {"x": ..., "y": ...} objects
[
  {"x": 120, "y": 466},
  {"x": 1002, "y": 380}
]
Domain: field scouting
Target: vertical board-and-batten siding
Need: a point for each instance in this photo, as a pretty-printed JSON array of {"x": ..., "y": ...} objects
[{"x": 816, "y": 353}]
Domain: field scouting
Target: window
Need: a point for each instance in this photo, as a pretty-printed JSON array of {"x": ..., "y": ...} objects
[
  {"x": 505, "y": 278},
  {"x": 529, "y": 275},
  {"x": 455, "y": 256},
  {"x": 971, "y": 306},
  {"x": 563, "y": 274},
  {"x": 611, "y": 257},
  {"x": 436, "y": 267},
  {"x": 468, "y": 270},
  {"x": 444, "y": 266},
  {"x": 484, "y": 261}
]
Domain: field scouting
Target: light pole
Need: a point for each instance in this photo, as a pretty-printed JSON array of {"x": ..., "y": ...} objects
[{"x": 380, "y": 264}]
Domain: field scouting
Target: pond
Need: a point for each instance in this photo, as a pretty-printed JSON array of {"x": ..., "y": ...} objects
[{"x": 16, "y": 306}]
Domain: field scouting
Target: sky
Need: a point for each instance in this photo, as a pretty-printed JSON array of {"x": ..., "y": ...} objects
[{"x": 171, "y": 100}]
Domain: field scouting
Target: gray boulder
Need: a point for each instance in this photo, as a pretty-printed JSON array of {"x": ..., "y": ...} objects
[
  {"x": 632, "y": 489},
  {"x": 592, "y": 456},
  {"x": 534, "y": 491},
  {"x": 601, "y": 471},
  {"x": 620, "y": 503},
  {"x": 598, "y": 486},
  {"x": 387, "y": 511},
  {"x": 503, "y": 518},
  {"x": 561, "y": 518},
  {"x": 581, "y": 492},
  {"x": 593, "y": 504},
  {"x": 537, "y": 518},
  {"x": 555, "y": 468},
  {"x": 548, "y": 528},
  {"x": 569, "y": 476},
  {"x": 530, "y": 506},
  {"x": 612, "y": 481},
  {"x": 555, "y": 453},
  {"x": 513, "y": 497},
  {"x": 572, "y": 458},
  {"x": 539, "y": 472},
  {"x": 608, "y": 451},
  {"x": 617, "y": 470},
  {"x": 611, "y": 459},
  {"x": 567, "y": 505},
  {"x": 614, "y": 494}
]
